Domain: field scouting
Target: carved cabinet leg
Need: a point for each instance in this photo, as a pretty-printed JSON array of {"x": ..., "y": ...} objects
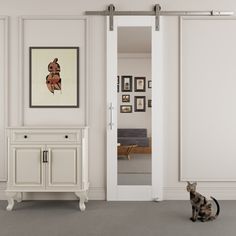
[
  {"x": 10, "y": 198},
  {"x": 82, "y": 198}
]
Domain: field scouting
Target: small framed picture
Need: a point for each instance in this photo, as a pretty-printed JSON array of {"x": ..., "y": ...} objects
[
  {"x": 149, "y": 84},
  {"x": 118, "y": 83},
  {"x": 149, "y": 103},
  {"x": 126, "y": 109},
  {"x": 126, "y": 83},
  {"x": 126, "y": 98},
  {"x": 140, "y": 103},
  {"x": 139, "y": 84}
]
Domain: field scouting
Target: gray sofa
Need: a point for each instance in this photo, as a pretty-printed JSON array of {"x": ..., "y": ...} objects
[{"x": 133, "y": 136}]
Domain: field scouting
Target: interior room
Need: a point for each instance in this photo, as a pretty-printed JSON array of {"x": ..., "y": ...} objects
[
  {"x": 134, "y": 122},
  {"x": 117, "y": 118}
]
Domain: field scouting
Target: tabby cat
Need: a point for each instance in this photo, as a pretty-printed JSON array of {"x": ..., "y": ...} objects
[{"x": 201, "y": 207}]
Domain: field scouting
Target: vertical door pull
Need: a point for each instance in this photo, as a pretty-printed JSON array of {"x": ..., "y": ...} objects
[{"x": 111, "y": 123}]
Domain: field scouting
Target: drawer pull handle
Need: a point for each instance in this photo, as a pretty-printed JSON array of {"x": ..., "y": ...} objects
[
  {"x": 25, "y": 136},
  {"x": 66, "y": 136},
  {"x": 45, "y": 156}
]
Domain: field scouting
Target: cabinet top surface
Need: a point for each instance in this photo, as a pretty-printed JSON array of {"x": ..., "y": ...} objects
[{"x": 48, "y": 127}]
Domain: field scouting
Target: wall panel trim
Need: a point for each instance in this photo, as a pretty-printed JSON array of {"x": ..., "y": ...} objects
[
  {"x": 22, "y": 20},
  {"x": 5, "y": 110},
  {"x": 181, "y": 178}
]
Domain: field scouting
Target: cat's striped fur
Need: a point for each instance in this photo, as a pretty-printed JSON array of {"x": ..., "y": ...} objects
[{"x": 201, "y": 207}]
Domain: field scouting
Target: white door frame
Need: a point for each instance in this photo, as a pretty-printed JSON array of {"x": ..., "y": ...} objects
[{"x": 117, "y": 192}]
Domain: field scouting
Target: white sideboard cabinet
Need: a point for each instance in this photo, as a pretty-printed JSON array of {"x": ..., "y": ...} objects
[{"x": 49, "y": 159}]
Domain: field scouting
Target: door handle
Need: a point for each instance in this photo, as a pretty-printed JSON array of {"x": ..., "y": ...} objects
[
  {"x": 45, "y": 156},
  {"x": 111, "y": 123}
]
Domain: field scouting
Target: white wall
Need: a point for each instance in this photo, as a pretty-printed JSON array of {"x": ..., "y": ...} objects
[
  {"x": 140, "y": 66},
  {"x": 97, "y": 79}
]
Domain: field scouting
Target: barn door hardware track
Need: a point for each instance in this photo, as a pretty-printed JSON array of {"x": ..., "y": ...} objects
[{"x": 157, "y": 12}]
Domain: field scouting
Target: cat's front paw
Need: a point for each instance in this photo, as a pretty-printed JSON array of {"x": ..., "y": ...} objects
[{"x": 192, "y": 219}]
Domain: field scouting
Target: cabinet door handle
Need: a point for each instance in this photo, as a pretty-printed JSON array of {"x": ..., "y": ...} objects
[{"x": 45, "y": 156}]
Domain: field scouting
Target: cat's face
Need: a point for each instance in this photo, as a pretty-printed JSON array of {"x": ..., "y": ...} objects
[{"x": 191, "y": 187}]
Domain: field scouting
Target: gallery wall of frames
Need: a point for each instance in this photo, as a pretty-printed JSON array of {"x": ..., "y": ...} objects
[{"x": 134, "y": 91}]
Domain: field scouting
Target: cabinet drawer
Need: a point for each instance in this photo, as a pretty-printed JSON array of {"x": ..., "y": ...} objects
[{"x": 43, "y": 136}]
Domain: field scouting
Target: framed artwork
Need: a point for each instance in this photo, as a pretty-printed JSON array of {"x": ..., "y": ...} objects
[
  {"x": 149, "y": 103},
  {"x": 125, "y": 98},
  {"x": 139, "y": 84},
  {"x": 149, "y": 84},
  {"x": 126, "y": 83},
  {"x": 118, "y": 84},
  {"x": 126, "y": 109},
  {"x": 54, "y": 77},
  {"x": 140, "y": 103}
]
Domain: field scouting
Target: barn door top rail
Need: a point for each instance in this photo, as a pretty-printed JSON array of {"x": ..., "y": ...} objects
[{"x": 157, "y": 12}]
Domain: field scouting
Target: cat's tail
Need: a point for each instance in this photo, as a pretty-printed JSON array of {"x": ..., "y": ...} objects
[{"x": 218, "y": 208}]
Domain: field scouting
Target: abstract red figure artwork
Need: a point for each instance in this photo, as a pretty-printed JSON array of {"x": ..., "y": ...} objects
[{"x": 53, "y": 79}]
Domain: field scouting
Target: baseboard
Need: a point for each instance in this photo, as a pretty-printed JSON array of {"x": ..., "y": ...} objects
[
  {"x": 2, "y": 191},
  {"x": 220, "y": 193},
  {"x": 98, "y": 193},
  {"x": 95, "y": 193}
]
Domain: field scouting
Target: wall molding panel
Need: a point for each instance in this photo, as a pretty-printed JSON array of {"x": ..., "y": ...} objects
[
  {"x": 3, "y": 95},
  {"x": 66, "y": 25},
  {"x": 206, "y": 98}
]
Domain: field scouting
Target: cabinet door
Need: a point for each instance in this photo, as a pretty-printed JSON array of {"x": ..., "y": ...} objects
[
  {"x": 64, "y": 167},
  {"x": 26, "y": 166}
]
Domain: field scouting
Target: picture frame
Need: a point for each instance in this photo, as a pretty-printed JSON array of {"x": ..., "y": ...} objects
[
  {"x": 139, "y": 84},
  {"x": 149, "y": 84},
  {"x": 118, "y": 83},
  {"x": 139, "y": 103},
  {"x": 54, "y": 77},
  {"x": 126, "y": 83},
  {"x": 126, "y": 109},
  {"x": 125, "y": 98},
  {"x": 149, "y": 102}
]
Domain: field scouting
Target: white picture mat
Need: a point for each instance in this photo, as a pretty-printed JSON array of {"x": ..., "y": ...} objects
[
  {"x": 208, "y": 100},
  {"x": 67, "y": 59},
  {"x": 139, "y": 84}
]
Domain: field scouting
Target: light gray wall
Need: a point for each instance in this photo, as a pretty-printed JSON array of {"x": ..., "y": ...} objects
[{"x": 97, "y": 80}]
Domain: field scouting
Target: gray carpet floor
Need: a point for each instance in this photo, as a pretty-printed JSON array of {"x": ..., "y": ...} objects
[{"x": 62, "y": 218}]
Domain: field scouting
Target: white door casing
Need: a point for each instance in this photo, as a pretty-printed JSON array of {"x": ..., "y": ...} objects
[{"x": 137, "y": 192}]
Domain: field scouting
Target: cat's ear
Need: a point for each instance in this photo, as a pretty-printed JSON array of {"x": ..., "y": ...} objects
[
  {"x": 195, "y": 183},
  {"x": 188, "y": 182}
]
